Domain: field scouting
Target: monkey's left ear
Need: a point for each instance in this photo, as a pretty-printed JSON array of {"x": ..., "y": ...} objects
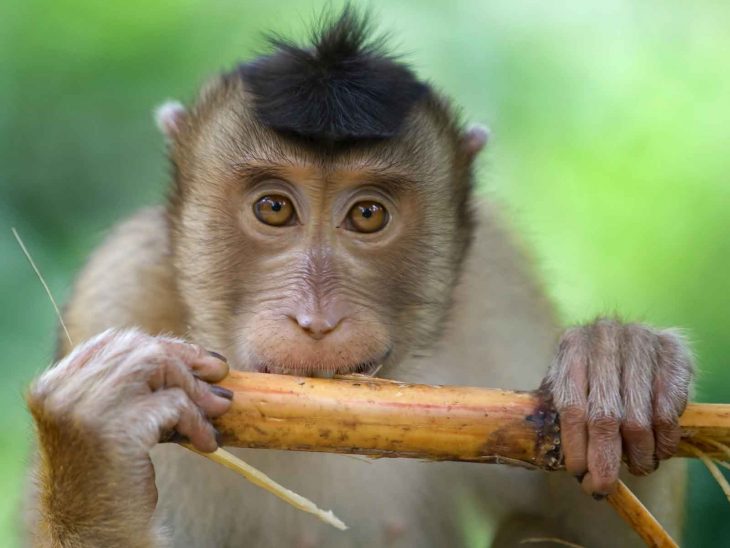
[
  {"x": 170, "y": 116},
  {"x": 474, "y": 139}
]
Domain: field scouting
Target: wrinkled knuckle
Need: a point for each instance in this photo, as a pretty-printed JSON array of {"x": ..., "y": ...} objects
[
  {"x": 635, "y": 430},
  {"x": 667, "y": 422},
  {"x": 573, "y": 416},
  {"x": 198, "y": 389},
  {"x": 178, "y": 399},
  {"x": 604, "y": 427}
]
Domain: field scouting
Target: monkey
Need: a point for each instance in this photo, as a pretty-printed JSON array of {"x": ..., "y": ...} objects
[{"x": 323, "y": 219}]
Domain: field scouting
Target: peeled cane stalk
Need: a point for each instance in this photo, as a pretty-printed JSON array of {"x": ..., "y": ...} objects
[{"x": 382, "y": 418}]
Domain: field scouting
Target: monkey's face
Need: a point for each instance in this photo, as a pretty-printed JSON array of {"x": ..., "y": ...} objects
[{"x": 294, "y": 261}]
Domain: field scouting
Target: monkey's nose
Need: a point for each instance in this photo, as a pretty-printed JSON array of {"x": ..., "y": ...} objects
[{"x": 317, "y": 326}]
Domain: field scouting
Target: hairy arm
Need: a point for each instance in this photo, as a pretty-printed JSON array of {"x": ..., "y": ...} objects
[{"x": 101, "y": 409}]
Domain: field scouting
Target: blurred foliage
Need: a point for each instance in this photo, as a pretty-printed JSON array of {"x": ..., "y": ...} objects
[{"x": 611, "y": 151}]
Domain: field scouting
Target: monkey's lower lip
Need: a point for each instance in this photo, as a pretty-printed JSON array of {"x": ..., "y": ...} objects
[{"x": 369, "y": 369}]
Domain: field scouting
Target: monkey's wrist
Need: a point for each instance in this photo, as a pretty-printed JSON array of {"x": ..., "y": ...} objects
[{"x": 86, "y": 490}]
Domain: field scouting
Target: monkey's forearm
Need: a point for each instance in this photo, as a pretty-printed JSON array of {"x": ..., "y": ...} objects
[
  {"x": 82, "y": 502},
  {"x": 383, "y": 418},
  {"x": 98, "y": 414}
]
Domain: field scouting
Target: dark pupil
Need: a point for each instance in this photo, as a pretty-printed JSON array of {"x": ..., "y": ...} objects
[
  {"x": 276, "y": 207},
  {"x": 367, "y": 212}
]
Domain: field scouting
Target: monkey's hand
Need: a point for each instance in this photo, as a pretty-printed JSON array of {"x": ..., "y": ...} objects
[
  {"x": 98, "y": 414},
  {"x": 619, "y": 389}
]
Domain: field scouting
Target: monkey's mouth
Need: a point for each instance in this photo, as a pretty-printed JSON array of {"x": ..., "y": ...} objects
[{"x": 368, "y": 368}]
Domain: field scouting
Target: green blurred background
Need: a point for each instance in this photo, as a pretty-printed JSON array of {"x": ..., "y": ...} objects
[{"x": 611, "y": 152}]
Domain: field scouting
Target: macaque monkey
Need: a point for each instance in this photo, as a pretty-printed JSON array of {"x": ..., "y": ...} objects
[{"x": 322, "y": 220}]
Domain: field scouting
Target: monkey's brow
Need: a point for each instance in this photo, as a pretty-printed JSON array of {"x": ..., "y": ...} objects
[
  {"x": 392, "y": 181},
  {"x": 255, "y": 172},
  {"x": 388, "y": 178}
]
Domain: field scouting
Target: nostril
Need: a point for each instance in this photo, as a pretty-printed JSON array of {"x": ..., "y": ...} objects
[{"x": 316, "y": 325}]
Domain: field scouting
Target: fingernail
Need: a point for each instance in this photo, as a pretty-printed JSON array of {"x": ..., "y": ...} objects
[
  {"x": 221, "y": 392},
  {"x": 217, "y": 356},
  {"x": 598, "y": 496},
  {"x": 218, "y": 437}
]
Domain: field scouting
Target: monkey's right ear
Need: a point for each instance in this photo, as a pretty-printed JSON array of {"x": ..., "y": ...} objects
[
  {"x": 474, "y": 139},
  {"x": 169, "y": 117}
]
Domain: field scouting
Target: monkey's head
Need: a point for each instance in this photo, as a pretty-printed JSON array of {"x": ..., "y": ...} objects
[{"x": 321, "y": 207}]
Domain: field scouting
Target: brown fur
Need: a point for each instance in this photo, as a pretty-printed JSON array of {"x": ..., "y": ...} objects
[{"x": 438, "y": 311}]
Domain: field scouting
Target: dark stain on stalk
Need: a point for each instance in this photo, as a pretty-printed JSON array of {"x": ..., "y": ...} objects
[{"x": 546, "y": 422}]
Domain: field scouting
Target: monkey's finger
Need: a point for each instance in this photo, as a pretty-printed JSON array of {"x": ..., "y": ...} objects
[
  {"x": 604, "y": 456},
  {"x": 208, "y": 366},
  {"x": 639, "y": 350},
  {"x": 568, "y": 383},
  {"x": 604, "y": 408},
  {"x": 179, "y": 412},
  {"x": 638, "y": 443},
  {"x": 574, "y": 439},
  {"x": 173, "y": 373},
  {"x": 671, "y": 390}
]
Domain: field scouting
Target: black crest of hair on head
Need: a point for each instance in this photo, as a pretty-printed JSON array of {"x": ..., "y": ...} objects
[{"x": 343, "y": 87}]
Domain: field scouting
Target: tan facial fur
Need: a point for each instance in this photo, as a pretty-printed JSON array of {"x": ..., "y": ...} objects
[{"x": 327, "y": 298}]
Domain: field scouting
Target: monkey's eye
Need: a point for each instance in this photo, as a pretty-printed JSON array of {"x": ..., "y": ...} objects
[
  {"x": 367, "y": 217},
  {"x": 274, "y": 210}
]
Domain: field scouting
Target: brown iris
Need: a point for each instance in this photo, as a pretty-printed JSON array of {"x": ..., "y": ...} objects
[
  {"x": 274, "y": 210},
  {"x": 367, "y": 216}
]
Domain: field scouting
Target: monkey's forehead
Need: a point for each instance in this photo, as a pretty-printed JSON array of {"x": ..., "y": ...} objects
[
  {"x": 226, "y": 126},
  {"x": 343, "y": 86}
]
